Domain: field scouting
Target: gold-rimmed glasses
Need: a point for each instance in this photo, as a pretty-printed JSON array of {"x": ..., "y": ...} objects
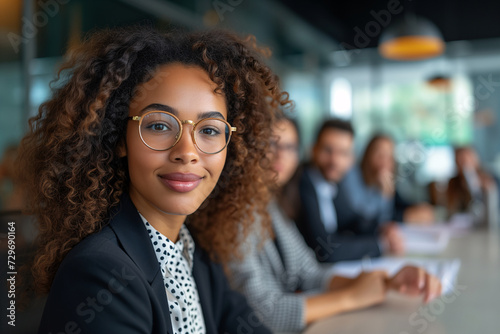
[{"x": 161, "y": 130}]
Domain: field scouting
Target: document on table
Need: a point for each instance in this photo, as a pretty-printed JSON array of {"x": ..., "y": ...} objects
[
  {"x": 445, "y": 269},
  {"x": 425, "y": 239},
  {"x": 433, "y": 239}
]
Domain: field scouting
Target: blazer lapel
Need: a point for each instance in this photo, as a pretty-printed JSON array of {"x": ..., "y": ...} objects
[
  {"x": 133, "y": 237},
  {"x": 310, "y": 189}
]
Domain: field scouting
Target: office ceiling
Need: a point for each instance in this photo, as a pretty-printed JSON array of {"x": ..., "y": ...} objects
[{"x": 456, "y": 19}]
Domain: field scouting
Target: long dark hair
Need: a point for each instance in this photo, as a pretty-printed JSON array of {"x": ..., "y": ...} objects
[
  {"x": 366, "y": 170},
  {"x": 288, "y": 196}
]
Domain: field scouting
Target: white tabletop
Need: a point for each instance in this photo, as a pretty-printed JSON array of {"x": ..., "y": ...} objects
[{"x": 473, "y": 308}]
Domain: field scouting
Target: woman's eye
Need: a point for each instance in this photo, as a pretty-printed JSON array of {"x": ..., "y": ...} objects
[
  {"x": 210, "y": 131},
  {"x": 158, "y": 127}
]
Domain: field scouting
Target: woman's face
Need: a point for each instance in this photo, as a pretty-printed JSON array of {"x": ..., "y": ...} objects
[
  {"x": 382, "y": 156},
  {"x": 178, "y": 180},
  {"x": 286, "y": 157}
]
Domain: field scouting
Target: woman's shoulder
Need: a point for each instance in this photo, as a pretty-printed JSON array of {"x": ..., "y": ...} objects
[
  {"x": 93, "y": 263},
  {"x": 98, "y": 250},
  {"x": 103, "y": 241},
  {"x": 97, "y": 287}
]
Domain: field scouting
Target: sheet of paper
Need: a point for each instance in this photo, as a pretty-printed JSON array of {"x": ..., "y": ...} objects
[
  {"x": 445, "y": 269},
  {"x": 425, "y": 239}
]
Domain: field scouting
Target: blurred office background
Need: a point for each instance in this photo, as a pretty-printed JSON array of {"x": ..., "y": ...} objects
[{"x": 326, "y": 53}]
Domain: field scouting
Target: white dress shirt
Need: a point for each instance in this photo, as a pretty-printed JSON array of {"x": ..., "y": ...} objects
[
  {"x": 176, "y": 263},
  {"x": 326, "y": 192}
]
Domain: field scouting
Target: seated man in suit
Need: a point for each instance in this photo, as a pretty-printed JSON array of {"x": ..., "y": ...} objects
[{"x": 332, "y": 241}]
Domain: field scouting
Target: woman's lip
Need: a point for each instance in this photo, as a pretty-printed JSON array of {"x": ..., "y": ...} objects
[
  {"x": 181, "y": 182},
  {"x": 183, "y": 177}
]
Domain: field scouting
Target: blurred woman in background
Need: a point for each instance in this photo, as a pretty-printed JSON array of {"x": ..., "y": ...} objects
[{"x": 369, "y": 192}]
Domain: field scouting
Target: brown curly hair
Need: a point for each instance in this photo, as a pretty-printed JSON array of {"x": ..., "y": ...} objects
[{"x": 71, "y": 169}]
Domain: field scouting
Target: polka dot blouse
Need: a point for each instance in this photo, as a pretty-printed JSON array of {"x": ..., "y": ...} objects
[{"x": 176, "y": 263}]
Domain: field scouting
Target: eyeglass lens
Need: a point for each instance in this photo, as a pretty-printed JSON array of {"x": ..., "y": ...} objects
[{"x": 161, "y": 130}]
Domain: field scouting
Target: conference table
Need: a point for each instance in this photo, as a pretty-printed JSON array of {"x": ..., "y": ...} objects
[{"x": 472, "y": 307}]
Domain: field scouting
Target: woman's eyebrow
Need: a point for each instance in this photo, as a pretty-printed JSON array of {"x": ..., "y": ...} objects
[
  {"x": 160, "y": 107},
  {"x": 164, "y": 107},
  {"x": 210, "y": 114}
]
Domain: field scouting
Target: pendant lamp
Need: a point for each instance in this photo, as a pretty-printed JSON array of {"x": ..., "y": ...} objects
[{"x": 413, "y": 38}]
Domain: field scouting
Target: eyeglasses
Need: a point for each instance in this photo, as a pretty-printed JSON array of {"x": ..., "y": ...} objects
[
  {"x": 286, "y": 147},
  {"x": 160, "y": 131}
]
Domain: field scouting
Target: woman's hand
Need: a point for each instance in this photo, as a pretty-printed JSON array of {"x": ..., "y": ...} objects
[
  {"x": 347, "y": 294},
  {"x": 385, "y": 181},
  {"x": 422, "y": 214},
  {"x": 414, "y": 281},
  {"x": 392, "y": 239},
  {"x": 368, "y": 289}
]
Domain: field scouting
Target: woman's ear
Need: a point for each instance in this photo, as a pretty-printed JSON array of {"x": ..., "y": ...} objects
[{"x": 121, "y": 149}]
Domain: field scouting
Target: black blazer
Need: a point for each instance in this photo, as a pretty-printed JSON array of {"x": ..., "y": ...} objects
[
  {"x": 111, "y": 283},
  {"x": 346, "y": 243}
]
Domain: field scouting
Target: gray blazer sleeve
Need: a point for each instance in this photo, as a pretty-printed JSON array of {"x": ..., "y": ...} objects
[
  {"x": 269, "y": 277},
  {"x": 255, "y": 277}
]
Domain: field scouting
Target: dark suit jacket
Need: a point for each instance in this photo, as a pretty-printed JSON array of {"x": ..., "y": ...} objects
[
  {"x": 360, "y": 208},
  {"x": 348, "y": 242},
  {"x": 111, "y": 283}
]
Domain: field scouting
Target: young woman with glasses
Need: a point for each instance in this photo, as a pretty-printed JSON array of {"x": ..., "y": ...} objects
[{"x": 144, "y": 166}]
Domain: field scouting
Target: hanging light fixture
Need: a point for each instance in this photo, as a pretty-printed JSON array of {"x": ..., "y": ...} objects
[
  {"x": 440, "y": 82},
  {"x": 413, "y": 38}
]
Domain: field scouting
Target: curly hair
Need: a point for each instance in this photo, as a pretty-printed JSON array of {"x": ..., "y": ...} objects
[{"x": 73, "y": 174}]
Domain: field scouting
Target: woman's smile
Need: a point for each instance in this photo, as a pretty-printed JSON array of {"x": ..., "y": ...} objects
[{"x": 181, "y": 182}]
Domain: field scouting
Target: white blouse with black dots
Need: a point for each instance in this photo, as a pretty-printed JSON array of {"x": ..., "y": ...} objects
[{"x": 176, "y": 263}]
